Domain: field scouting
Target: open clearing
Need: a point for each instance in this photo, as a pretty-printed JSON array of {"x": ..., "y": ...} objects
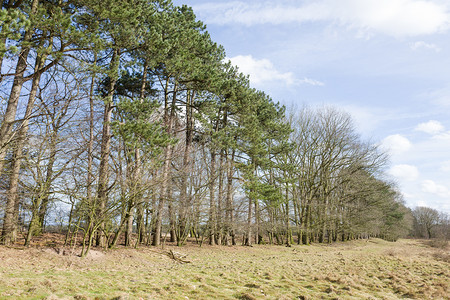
[{"x": 373, "y": 269}]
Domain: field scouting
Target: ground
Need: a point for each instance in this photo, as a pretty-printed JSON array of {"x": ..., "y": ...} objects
[{"x": 364, "y": 269}]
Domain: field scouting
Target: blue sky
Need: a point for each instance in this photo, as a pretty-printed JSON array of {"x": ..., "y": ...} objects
[{"x": 386, "y": 62}]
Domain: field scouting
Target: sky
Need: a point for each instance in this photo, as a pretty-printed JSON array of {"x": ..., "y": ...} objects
[{"x": 386, "y": 62}]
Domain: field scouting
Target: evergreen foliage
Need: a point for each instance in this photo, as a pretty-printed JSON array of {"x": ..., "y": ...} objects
[{"x": 149, "y": 131}]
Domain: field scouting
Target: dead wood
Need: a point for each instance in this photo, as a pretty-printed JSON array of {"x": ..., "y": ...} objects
[{"x": 177, "y": 257}]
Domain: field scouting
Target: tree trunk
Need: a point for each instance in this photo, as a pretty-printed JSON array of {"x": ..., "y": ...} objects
[
  {"x": 43, "y": 205},
  {"x": 172, "y": 222},
  {"x": 123, "y": 219},
  {"x": 8, "y": 229},
  {"x": 212, "y": 200},
  {"x": 229, "y": 200},
  {"x": 219, "y": 215},
  {"x": 307, "y": 230},
  {"x": 103, "y": 176},
  {"x": 186, "y": 167},
  {"x": 90, "y": 147},
  {"x": 140, "y": 222},
  {"x": 43, "y": 198},
  {"x": 258, "y": 238},
  {"x": 10, "y": 218},
  {"x": 137, "y": 183},
  {"x": 129, "y": 223},
  {"x": 248, "y": 238},
  {"x": 167, "y": 164},
  {"x": 6, "y": 134}
]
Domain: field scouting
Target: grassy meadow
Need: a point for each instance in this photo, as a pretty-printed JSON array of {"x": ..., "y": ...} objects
[{"x": 364, "y": 269}]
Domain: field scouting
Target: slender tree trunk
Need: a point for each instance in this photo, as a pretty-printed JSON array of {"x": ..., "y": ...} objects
[
  {"x": 140, "y": 221},
  {"x": 271, "y": 224},
  {"x": 306, "y": 224},
  {"x": 166, "y": 168},
  {"x": 129, "y": 221},
  {"x": 286, "y": 218},
  {"x": 10, "y": 219},
  {"x": 43, "y": 205},
  {"x": 219, "y": 215},
  {"x": 162, "y": 200},
  {"x": 12, "y": 196},
  {"x": 123, "y": 218},
  {"x": 248, "y": 239},
  {"x": 90, "y": 145},
  {"x": 287, "y": 225},
  {"x": 35, "y": 223},
  {"x": 103, "y": 177},
  {"x": 197, "y": 211},
  {"x": 296, "y": 208},
  {"x": 152, "y": 224},
  {"x": 38, "y": 216},
  {"x": 229, "y": 200},
  {"x": 140, "y": 227},
  {"x": 69, "y": 226},
  {"x": 212, "y": 201},
  {"x": 257, "y": 220},
  {"x": 137, "y": 194},
  {"x": 172, "y": 221},
  {"x": 128, "y": 192},
  {"x": 6, "y": 128},
  {"x": 184, "y": 197}
]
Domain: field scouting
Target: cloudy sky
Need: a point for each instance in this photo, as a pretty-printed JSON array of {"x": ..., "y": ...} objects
[{"x": 386, "y": 62}]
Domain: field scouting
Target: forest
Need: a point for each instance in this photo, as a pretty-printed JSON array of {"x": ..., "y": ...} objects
[{"x": 122, "y": 122}]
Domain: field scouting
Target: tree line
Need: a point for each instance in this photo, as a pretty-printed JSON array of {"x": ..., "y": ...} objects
[{"x": 123, "y": 121}]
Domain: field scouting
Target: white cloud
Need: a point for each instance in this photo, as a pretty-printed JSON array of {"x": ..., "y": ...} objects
[
  {"x": 440, "y": 97},
  {"x": 429, "y": 186},
  {"x": 442, "y": 137},
  {"x": 422, "y": 44},
  {"x": 396, "y": 144},
  {"x": 404, "y": 172},
  {"x": 260, "y": 12},
  {"x": 310, "y": 81},
  {"x": 263, "y": 70},
  {"x": 431, "y": 127},
  {"x": 445, "y": 166},
  {"x": 392, "y": 17}
]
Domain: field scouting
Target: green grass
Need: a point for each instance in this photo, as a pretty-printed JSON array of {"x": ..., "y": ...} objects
[{"x": 355, "y": 270}]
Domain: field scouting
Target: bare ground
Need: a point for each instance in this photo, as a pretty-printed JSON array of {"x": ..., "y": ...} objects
[{"x": 373, "y": 269}]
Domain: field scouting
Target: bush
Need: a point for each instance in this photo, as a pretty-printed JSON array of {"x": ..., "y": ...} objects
[{"x": 438, "y": 243}]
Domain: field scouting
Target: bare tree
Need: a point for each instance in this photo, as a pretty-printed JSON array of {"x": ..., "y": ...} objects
[{"x": 426, "y": 220}]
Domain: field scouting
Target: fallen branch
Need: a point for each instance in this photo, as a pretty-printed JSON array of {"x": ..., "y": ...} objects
[
  {"x": 15, "y": 247},
  {"x": 177, "y": 257}
]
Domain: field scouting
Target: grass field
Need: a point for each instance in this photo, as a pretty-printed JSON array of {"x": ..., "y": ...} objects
[{"x": 373, "y": 269}]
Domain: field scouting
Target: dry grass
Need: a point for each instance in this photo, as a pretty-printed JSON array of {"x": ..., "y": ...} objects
[
  {"x": 439, "y": 243},
  {"x": 357, "y": 270}
]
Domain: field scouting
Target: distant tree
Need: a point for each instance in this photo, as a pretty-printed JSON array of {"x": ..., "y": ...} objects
[
  {"x": 443, "y": 229},
  {"x": 426, "y": 219}
]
